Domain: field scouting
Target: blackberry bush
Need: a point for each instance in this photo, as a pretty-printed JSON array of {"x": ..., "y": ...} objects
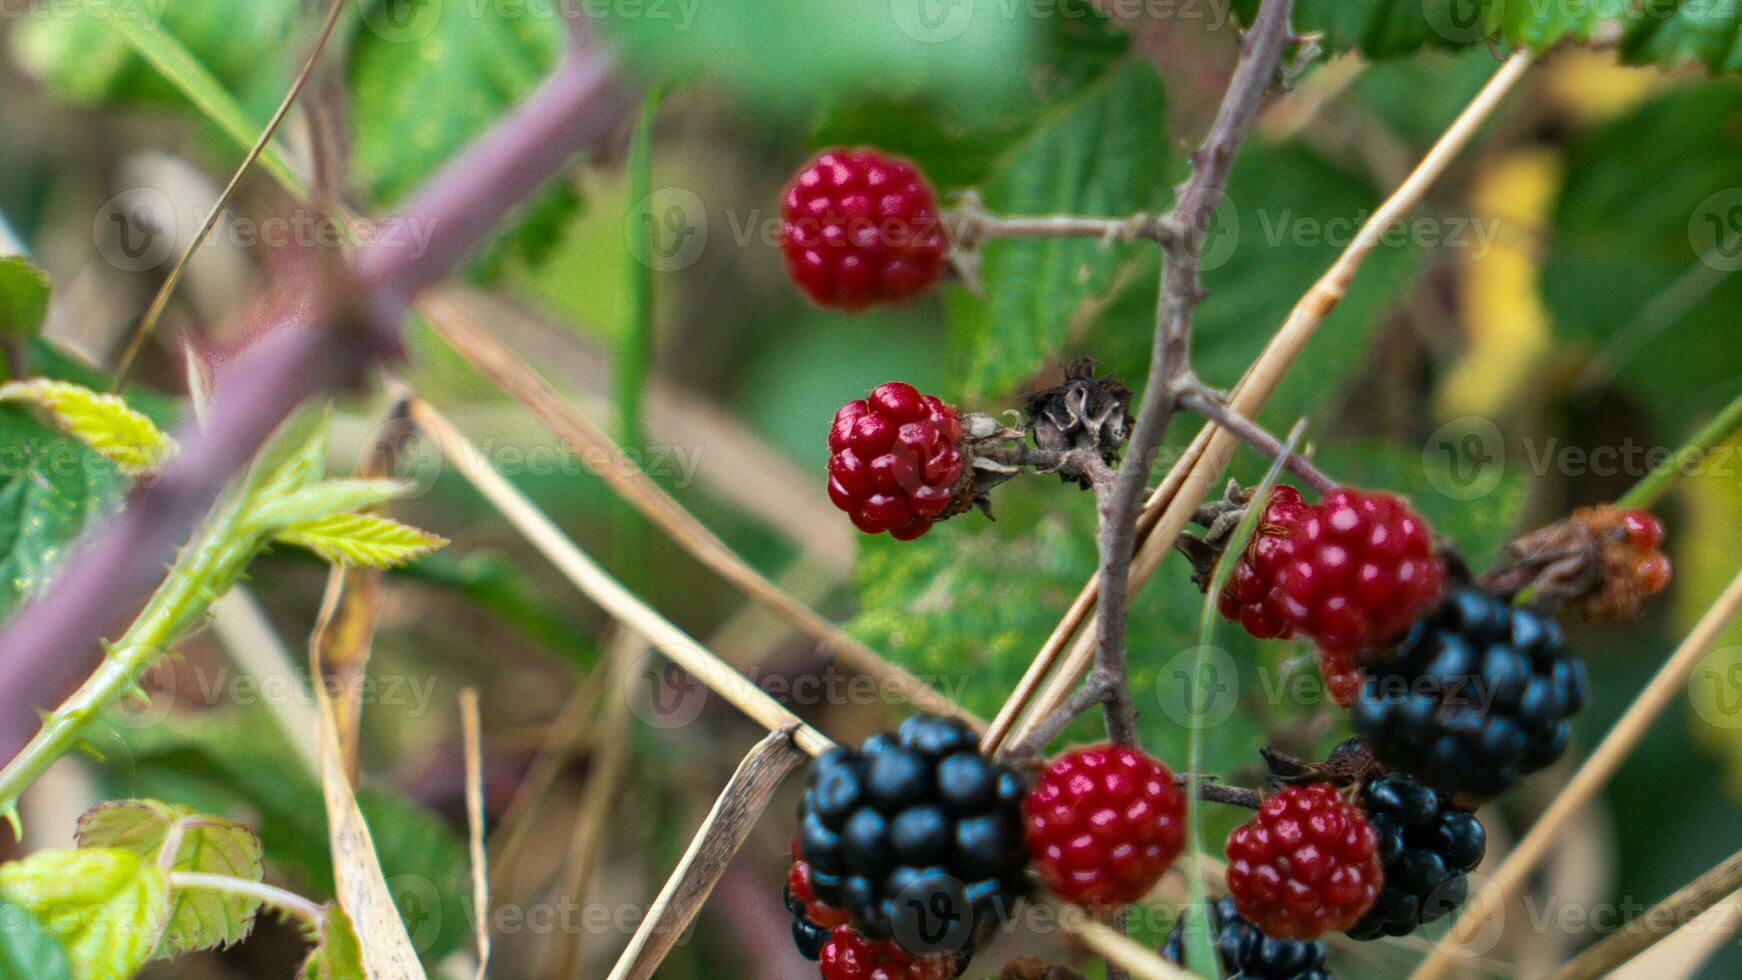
[
  {"x": 917, "y": 836},
  {"x": 1478, "y": 694}
]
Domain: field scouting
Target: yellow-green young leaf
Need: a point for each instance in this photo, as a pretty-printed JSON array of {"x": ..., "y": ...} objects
[
  {"x": 107, "y": 906},
  {"x": 337, "y": 954},
  {"x": 328, "y": 498},
  {"x": 369, "y": 540},
  {"x": 103, "y": 422},
  {"x": 199, "y": 918}
]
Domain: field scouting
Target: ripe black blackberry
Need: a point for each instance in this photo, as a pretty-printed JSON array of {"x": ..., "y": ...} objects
[
  {"x": 1248, "y": 953},
  {"x": 1478, "y": 694},
  {"x": 917, "y": 836},
  {"x": 1427, "y": 845}
]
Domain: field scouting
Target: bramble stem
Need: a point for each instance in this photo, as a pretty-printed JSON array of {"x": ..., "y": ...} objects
[
  {"x": 969, "y": 224},
  {"x": 1200, "y": 399},
  {"x": 204, "y": 570}
]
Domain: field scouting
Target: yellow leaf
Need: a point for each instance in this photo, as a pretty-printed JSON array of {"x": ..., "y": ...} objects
[{"x": 104, "y": 422}]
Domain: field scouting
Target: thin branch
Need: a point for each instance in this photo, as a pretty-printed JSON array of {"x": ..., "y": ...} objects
[
  {"x": 1093, "y": 691},
  {"x": 1665, "y": 687},
  {"x": 580, "y": 436},
  {"x": 590, "y": 578},
  {"x": 1200, "y": 399},
  {"x": 1658, "y": 922},
  {"x": 148, "y": 323},
  {"x": 970, "y": 223},
  {"x": 711, "y": 850},
  {"x": 1725, "y": 424},
  {"x": 1195, "y": 202},
  {"x": 1171, "y": 504},
  {"x": 310, "y": 341}
]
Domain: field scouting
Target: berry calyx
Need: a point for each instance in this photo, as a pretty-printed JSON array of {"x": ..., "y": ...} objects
[
  {"x": 1352, "y": 571},
  {"x": 1104, "y": 823},
  {"x": 1248, "y": 953},
  {"x": 917, "y": 836},
  {"x": 1428, "y": 845},
  {"x": 1307, "y": 864},
  {"x": 859, "y": 227},
  {"x": 895, "y": 459},
  {"x": 1476, "y": 695},
  {"x": 851, "y": 956}
]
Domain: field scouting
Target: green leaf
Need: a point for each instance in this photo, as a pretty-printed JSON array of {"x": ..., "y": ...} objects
[
  {"x": 1102, "y": 153},
  {"x": 106, "y": 905},
  {"x": 28, "y": 951},
  {"x": 250, "y": 48},
  {"x": 221, "y": 761},
  {"x": 787, "y": 54},
  {"x": 104, "y": 422},
  {"x": 134, "y": 24},
  {"x": 368, "y": 540},
  {"x": 24, "y": 292},
  {"x": 336, "y": 955},
  {"x": 207, "y": 845},
  {"x": 52, "y": 488},
  {"x": 294, "y": 458},
  {"x": 1646, "y": 245},
  {"x": 1666, "y": 33},
  {"x": 329, "y": 498}
]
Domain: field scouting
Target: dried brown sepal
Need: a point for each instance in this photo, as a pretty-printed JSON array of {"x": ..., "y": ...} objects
[
  {"x": 1588, "y": 560},
  {"x": 1351, "y": 763},
  {"x": 1081, "y": 413},
  {"x": 1219, "y": 518}
]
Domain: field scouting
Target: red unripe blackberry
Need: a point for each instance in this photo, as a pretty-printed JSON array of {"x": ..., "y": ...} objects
[
  {"x": 802, "y": 900},
  {"x": 851, "y": 956},
  {"x": 894, "y": 460},
  {"x": 1103, "y": 824},
  {"x": 1341, "y": 676},
  {"x": 1307, "y": 864},
  {"x": 859, "y": 227},
  {"x": 1352, "y": 571},
  {"x": 1644, "y": 531}
]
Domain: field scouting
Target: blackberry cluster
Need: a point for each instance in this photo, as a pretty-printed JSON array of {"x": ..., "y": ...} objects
[
  {"x": 1104, "y": 824},
  {"x": 1477, "y": 694},
  {"x": 1246, "y": 952},
  {"x": 1306, "y": 864},
  {"x": 1427, "y": 845},
  {"x": 917, "y": 836}
]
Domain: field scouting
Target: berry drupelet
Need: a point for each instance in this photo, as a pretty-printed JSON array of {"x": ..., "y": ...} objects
[
  {"x": 858, "y": 227},
  {"x": 894, "y": 460},
  {"x": 1248, "y": 953},
  {"x": 1351, "y": 572},
  {"x": 917, "y": 836},
  {"x": 849, "y": 955},
  {"x": 1104, "y": 823},
  {"x": 1307, "y": 864},
  {"x": 1427, "y": 845},
  {"x": 1476, "y": 695}
]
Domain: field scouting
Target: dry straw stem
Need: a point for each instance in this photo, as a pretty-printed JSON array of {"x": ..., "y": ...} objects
[
  {"x": 1659, "y": 922},
  {"x": 1136, "y": 960},
  {"x": 148, "y": 323},
  {"x": 1192, "y": 477},
  {"x": 471, "y": 728},
  {"x": 598, "y": 585},
  {"x": 495, "y": 361},
  {"x": 1669, "y": 683},
  {"x": 734, "y": 814}
]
